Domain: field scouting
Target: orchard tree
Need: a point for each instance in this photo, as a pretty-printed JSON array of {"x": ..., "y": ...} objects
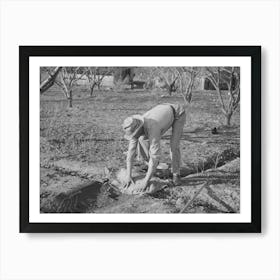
[
  {"x": 124, "y": 75},
  {"x": 95, "y": 76},
  {"x": 187, "y": 79},
  {"x": 170, "y": 76},
  {"x": 229, "y": 76},
  {"x": 68, "y": 79},
  {"x": 151, "y": 76}
]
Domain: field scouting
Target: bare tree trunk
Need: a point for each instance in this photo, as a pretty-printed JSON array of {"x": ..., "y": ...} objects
[
  {"x": 70, "y": 99},
  {"x": 172, "y": 87},
  {"x": 188, "y": 97},
  {"x": 91, "y": 91},
  {"x": 188, "y": 93},
  {"x": 45, "y": 85},
  {"x": 169, "y": 90}
]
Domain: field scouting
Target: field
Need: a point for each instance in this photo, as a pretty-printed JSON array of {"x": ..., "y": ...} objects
[{"x": 82, "y": 149}]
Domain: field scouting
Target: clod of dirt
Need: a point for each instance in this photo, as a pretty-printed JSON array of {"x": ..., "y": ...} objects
[
  {"x": 180, "y": 203},
  {"x": 155, "y": 184}
]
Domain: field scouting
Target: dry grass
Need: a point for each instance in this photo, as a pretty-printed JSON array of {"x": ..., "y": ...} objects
[{"x": 91, "y": 131}]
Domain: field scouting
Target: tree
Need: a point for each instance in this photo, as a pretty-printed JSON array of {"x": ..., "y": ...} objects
[
  {"x": 67, "y": 81},
  {"x": 170, "y": 76},
  {"x": 231, "y": 77},
  {"x": 149, "y": 75},
  {"x": 95, "y": 76},
  {"x": 47, "y": 83},
  {"x": 187, "y": 78},
  {"x": 124, "y": 75}
]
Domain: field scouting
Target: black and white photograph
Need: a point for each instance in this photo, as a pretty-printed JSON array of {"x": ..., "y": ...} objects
[
  {"x": 140, "y": 139},
  {"x": 125, "y": 136}
]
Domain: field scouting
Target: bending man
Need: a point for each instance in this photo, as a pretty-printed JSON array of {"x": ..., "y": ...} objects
[{"x": 144, "y": 134}]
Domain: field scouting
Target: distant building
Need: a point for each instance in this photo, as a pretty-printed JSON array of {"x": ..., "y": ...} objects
[
  {"x": 108, "y": 81},
  {"x": 205, "y": 84}
]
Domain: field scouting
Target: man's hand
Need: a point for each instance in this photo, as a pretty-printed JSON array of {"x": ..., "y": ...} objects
[{"x": 141, "y": 186}]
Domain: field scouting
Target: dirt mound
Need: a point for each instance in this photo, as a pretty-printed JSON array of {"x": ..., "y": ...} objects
[
  {"x": 77, "y": 200},
  {"x": 156, "y": 184},
  {"x": 232, "y": 166}
]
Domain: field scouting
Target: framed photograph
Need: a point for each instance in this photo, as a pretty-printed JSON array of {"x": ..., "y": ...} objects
[{"x": 140, "y": 138}]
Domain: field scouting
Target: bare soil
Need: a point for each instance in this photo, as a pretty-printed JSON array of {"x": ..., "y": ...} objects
[{"x": 83, "y": 147}]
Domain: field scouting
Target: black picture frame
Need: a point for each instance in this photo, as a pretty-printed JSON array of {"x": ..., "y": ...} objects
[{"x": 25, "y": 52}]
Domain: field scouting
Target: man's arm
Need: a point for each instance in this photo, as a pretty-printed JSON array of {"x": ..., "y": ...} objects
[
  {"x": 130, "y": 156},
  {"x": 154, "y": 155},
  {"x": 151, "y": 170}
]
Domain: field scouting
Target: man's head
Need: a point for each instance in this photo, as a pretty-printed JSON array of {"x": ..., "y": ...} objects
[{"x": 132, "y": 125}]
